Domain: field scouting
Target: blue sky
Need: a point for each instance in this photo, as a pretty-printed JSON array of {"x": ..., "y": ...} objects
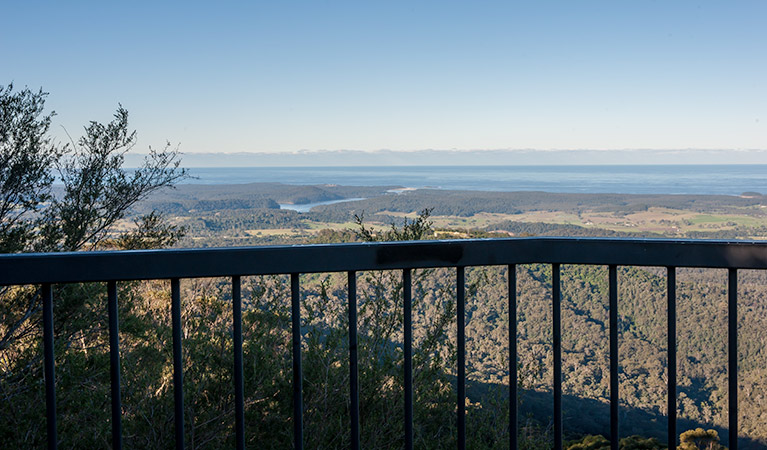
[{"x": 287, "y": 76}]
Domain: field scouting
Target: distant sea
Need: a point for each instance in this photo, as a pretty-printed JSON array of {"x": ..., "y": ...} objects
[{"x": 646, "y": 179}]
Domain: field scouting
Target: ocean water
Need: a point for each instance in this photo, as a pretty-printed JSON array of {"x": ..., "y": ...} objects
[{"x": 648, "y": 179}]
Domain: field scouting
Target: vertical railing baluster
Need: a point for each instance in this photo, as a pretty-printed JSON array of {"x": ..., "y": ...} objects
[
  {"x": 50, "y": 363},
  {"x": 614, "y": 396},
  {"x": 239, "y": 388},
  {"x": 671, "y": 348},
  {"x": 178, "y": 365},
  {"x": 513, "y": 382},
  {"x": 354, "y": 389},
  {"x": 114, "y": 364},
  {"x": 556, "y": 297},
  {"x": 408, "y": 355},
  {"x": 732, "y": 350},
  {"x": 461, "y": 335},
  {"x": 298, "y": 376}
]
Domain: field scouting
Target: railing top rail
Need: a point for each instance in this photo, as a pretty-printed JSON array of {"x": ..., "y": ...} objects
[{"x": 32, "y": 268}]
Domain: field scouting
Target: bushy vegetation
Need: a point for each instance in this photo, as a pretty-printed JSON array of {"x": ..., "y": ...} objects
[
  {"x": 700, "y": 439},
  {"x": 599, "y": 442},
  {"x": 93, "y": 194}
]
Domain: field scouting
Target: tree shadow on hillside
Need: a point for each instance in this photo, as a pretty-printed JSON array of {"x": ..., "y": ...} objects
[{"x": 583, "y": 416}]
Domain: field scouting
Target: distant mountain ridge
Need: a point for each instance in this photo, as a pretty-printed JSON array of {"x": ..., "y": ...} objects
[{"x": 467, "y": 157}]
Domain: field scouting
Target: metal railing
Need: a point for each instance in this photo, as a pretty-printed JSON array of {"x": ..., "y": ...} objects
[{"x": 112, "y": 267}]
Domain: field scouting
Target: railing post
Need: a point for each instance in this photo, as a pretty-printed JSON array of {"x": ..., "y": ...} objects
[
  {"x": 354, "y": 390},
  {"x": 461, "y": 336},
  {"x": 239, "y": 389},
  {"x": 114, "y": 365},
  {"x": 298, "y": 376},
  {"x": 671, "y": 348},
  {"x": 408, "y": 355},
  {"x": 732, "y": 351},
  {"x": 513, "y": 382},
  {"x": 556, "y": 300},
  {"x": 614, "y": 395},
  {"x": 49, "y": 357},
  {"x": 178, "y": 364}
]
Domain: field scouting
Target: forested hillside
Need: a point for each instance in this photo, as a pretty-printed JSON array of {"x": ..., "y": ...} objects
[
  {"x": 250, "y": 214},
  {"x": 467, "y": 203},
  {"x": 701, "y": 334},
  {"x": 84, "y": 365}
]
